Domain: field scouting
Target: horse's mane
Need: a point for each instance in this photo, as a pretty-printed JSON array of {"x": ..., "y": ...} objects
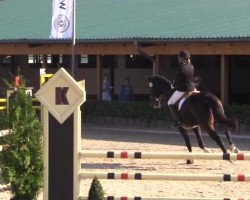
[{"x": 161, "y": 82}]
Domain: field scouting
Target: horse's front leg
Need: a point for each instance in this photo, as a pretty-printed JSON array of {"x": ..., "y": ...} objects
[
  {"x": 187, "y": 141},
  {"x": 197, "y": 132}
]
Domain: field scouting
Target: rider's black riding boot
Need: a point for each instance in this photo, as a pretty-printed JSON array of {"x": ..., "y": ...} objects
[{"x": 176, "y": 115}]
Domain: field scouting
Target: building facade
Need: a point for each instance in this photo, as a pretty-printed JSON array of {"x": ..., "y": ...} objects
[{"x": 136, "y": 38}]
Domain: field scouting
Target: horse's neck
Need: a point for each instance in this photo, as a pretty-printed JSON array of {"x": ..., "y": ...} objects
[
  {"x": 166, "y": 91},
  {"x": 164, "y": 85}
]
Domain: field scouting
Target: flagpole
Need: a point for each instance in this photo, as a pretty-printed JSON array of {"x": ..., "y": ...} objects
[{"x": 73, "y": 41}]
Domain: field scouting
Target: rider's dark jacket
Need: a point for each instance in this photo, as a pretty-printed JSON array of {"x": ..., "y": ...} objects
[{"x": 184, "y": 79}]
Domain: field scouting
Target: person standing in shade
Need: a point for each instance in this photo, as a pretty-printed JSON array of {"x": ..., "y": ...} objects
[
  {"x": 126, "y": 91},
  {"x": 106, "y": 88}
]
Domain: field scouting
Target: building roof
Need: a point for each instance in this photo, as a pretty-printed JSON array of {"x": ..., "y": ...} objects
[{"x": 128, "y": 20}]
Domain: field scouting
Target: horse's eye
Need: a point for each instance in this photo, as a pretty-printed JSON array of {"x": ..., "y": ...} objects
[{"x": 150, "y": 84}]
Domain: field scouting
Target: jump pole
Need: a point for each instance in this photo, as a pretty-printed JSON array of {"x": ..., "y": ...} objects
[
  {"x": 61, "y": 97},
  {"x": 161, "y": 198},
  {"x": 163, "y": 155},
  {"x": 166, "y": 177}
]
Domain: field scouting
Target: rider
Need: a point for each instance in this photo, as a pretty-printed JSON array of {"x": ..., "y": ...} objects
[{"x": 183, "y": 82}]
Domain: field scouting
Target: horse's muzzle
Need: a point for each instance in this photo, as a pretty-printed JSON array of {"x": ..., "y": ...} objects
[{"x": 155, "y": 102}]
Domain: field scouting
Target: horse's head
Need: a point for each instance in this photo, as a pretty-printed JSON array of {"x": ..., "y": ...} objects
[{"x": 158, "y": 89}]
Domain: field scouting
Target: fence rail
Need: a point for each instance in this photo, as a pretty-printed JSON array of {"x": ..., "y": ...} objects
[
  {"x": 165, "y": 177},
  {"x": 163, "y": 155}
]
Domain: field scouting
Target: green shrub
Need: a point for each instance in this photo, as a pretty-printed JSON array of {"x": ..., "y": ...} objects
[
  {"x": 143, "y": 111},
  {"x": 96, "y": 192},
  {"x": 242, "y": 112},
  {"x": 134, "y": 110},
  {"x": 21, "y": 159}
]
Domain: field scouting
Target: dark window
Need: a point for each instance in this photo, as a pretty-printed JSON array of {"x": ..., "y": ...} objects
[
  {"x": 241, "y": 61},
  {"x": 198, "y": 61},
  {"x": 87, "y": 61},
  {"x": 35, "y": 59},
  {"x": 174, "y": 62},
  {"x": 138, "y": 61},
  {"x": 217, "y": 61},
  {"x": 53, "y": 61},
  {"x": 6, "y": 60},
  {"x": 109, "y": 61}
]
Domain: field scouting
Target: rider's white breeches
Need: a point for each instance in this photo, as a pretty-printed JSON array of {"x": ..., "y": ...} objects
[{"x": 175, "y": 97}]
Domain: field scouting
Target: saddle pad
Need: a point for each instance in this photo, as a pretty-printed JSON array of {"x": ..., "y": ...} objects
[
  {"x": 181, "y": 102},
  {"x": 185, "y": 97}
]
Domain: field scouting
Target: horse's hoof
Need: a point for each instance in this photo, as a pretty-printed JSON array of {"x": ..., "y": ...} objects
[
  {"x": 233, "y": 149},
  {"x": 190, "y": 162}
]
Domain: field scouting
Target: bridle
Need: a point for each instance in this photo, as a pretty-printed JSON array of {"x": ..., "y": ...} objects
[{"x": 161, "y": 96}]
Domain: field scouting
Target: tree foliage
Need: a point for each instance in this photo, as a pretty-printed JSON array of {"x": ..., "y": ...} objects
[
  {"x": 96, "y": 191},
  {"x": 21, "y": 160}
]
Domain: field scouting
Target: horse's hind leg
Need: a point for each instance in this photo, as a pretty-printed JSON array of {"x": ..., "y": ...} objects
[
  {"x": 232, "y": 146},
  {"x": 187, "y": 141},
  {"x": 197, "y": 132},
  {"x": 215, "y": 137}
]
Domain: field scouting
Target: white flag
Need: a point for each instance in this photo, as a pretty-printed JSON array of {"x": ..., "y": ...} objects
[{"x": 62, "y": 19}]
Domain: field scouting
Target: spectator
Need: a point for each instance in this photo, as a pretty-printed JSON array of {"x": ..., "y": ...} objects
[
  {"x": 106, "y": 88},
  {"x": 126, "y": 91}
]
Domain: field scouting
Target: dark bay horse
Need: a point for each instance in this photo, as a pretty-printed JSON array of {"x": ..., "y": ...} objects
[{"x": 198, "y": 110}]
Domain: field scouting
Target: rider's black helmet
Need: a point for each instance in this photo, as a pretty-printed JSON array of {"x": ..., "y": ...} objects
[{"x": 184, "y": 54}]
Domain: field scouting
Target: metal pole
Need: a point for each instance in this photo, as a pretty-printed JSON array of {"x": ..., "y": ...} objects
[
  {"x": 154, "y": 68},
  {"x": 73, "y": 41}
]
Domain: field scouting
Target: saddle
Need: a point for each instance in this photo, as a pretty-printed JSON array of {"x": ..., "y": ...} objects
[{"x": 185, "y": 96}]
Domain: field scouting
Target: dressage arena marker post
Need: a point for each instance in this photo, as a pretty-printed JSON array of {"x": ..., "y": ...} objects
[
  {"x": 61, "y": 97},
  {"x": 163, "y": 155}
]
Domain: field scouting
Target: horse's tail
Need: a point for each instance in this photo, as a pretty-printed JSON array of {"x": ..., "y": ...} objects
[
  {"x": 230, "y": 123},
  {"x": 219, "y": 113}
]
